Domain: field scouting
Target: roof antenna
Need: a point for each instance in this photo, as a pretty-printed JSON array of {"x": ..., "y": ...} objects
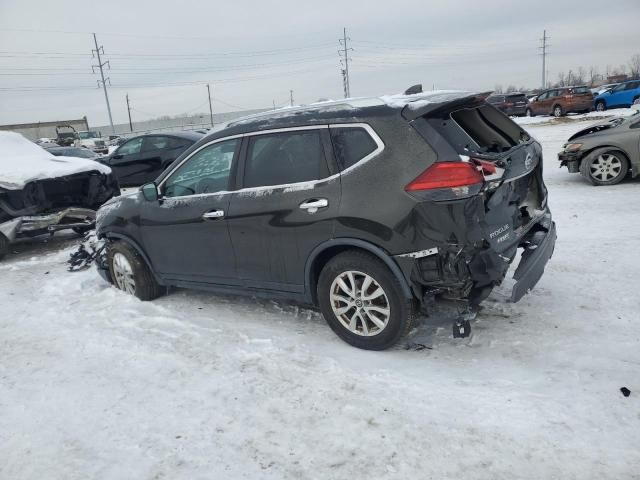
[{"x": 412, "y": 90}]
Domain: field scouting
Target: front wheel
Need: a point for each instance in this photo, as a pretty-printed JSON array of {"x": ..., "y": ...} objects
[
  {"x": 363, "y": 302},
  {"x": 130, "y": 273},
  {"x": 604, "y": 167},
  {"x": 600, "y": 106},
  {"x": 4, "y": 245}
]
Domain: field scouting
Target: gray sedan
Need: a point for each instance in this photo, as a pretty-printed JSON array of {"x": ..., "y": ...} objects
[{"x": 606, "y": 152}]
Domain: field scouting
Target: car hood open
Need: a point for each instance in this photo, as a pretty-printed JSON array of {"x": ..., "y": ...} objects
[{"x": 22, "y": 161}]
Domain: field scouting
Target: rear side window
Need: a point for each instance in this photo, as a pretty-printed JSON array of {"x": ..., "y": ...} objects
[
  {"x": 495, "y": 99},
  {"x": 351, "y": 145},
  {"x": 155, "y": 143},
  {"x": 516, "y": 98},
  {"x": 578, "y": 90},
  {"x": 480, "y": 130},
  {"x": 283, "y": 158}
]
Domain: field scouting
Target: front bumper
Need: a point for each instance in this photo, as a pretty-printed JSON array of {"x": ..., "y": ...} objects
[
  {"x": 571, "y": 160},
  {"x": 67, "y": 218}
]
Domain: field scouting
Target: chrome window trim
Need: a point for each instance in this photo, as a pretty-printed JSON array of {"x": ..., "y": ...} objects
[{"x": 376, "y": 138}]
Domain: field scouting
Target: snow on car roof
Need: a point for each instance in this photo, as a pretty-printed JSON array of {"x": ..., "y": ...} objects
[
  {"x": 394, "y": 101},
  {"x": 22, "y": 161}
]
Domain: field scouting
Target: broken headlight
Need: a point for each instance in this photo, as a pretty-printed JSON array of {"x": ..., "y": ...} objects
[{"x": 572, "y": 147}]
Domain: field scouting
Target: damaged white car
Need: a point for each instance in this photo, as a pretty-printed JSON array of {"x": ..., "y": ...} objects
[{"x": 41, "y": 193}]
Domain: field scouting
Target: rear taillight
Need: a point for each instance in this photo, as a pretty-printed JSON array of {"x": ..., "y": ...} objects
[{"x": 447, "y": 175}]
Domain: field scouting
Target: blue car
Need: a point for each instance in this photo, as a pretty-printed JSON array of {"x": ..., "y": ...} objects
[{"x": 623, "y": 95}]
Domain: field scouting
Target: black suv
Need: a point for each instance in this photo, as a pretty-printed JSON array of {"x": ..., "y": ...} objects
[
  {"x": 141, "y": 159},
  {"x": 367, "y": 209},
  {"x": 512, "y": 104}
]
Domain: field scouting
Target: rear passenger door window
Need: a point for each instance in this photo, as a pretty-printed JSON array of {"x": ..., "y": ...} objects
[
  {"x": 155, "y": 143},
  {"x": 351, "y": 144},
  {"x": 284, "y": 158}
]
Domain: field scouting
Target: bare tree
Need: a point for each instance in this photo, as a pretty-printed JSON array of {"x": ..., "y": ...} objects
[
  {"x": 621, "y": 70},
  {"x": 579, "y": 77},
  {"x": 561, "y": 80},
  {"x": 634, "y": 66},
  {"x": 497, "y": 88},
  {"x": 511, "y": 89},
  {"x": 593, "y": 75}
]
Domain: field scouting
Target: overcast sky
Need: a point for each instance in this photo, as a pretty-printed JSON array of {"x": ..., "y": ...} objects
[{"x": 253, "y": 52}]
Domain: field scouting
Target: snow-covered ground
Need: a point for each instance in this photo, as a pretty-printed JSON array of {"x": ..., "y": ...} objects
[{"x": 95, "y": 384}]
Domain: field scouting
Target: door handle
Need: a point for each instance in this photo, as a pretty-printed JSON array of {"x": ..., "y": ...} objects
[
  {"x": 312, "y": 206},
  {"x": 213, "y": 214}
]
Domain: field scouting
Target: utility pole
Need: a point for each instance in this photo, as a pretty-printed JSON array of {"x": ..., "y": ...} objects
[
  {"x": 544, "y": 58},
  {"x": 344, "y": 83},
  {"x": 129, "y": 112},
  {"x": 102, "y": 81},
  {"x": 210, "y": 105},
  {"x": 274, "y": 104},
  {"x": 344, "y": 52},
  {"x": 291, "y": 97}
]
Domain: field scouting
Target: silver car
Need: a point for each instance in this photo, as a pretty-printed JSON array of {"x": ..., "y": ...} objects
[{"x": 605, "y": 153}]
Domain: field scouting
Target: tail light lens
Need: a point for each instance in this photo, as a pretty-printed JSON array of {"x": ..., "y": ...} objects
[{"x": 447, "y": 175}]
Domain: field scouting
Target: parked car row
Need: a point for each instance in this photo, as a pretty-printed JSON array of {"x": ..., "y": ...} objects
[{"x": 573, "y": 99}]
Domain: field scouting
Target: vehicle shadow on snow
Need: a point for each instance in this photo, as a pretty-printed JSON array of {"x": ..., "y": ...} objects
[{"x": 430, "y": 332}]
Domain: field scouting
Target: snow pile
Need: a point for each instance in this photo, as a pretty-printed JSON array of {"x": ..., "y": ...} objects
[{"x": 22, "y": 161}]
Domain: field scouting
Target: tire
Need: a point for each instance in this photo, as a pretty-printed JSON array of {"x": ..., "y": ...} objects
[
  {"x": 139, "y": 280},
  {"x": 601, "y": 106},
  {"x": 636, "y": 101},
  {"x": 4, "y": 246},
  {"x": 557, "y": 111},
  {"x": 529, "y": 113},
  {"x": 605, "y": 167},
  {"x": 355, "y": 266}
]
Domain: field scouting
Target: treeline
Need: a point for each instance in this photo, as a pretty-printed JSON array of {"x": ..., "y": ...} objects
[{"x": 591, "y": 76}]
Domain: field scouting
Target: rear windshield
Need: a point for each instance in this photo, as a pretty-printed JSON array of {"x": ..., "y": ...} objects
[
  {"x": 480, "y": 129},
  {"x": 516, "y": 97}
]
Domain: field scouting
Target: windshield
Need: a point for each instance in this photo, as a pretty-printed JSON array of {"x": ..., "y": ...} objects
[{"x": 86, "y": 135}]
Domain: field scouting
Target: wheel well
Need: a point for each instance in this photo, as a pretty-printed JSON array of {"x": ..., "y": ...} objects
[
  {"x": 322, "y": 258},
  {"x": 320, "y": 261}
]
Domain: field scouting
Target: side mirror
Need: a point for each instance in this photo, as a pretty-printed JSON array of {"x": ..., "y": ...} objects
[
  {"x": 149, "y": 192},
  {"x": 117, "y": 156}
]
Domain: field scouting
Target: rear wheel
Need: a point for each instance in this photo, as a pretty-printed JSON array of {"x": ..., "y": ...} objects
[
  {"x": 363, "y": 302},
  {"x": 557, "y": 111},
  {"x": 605, "y": 167},
  {"x": 529, "y": 113},
  {"x": 600, "y": 106},
  {"x": 130, "y": 273}
]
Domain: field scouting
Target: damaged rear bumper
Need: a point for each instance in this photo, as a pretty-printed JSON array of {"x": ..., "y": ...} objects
[
  {"x": 469, "y": 273},
  {"x": 67, "y": 218}
]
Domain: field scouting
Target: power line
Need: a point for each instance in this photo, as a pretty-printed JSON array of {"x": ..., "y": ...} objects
[{"x": 104, "y": 84}]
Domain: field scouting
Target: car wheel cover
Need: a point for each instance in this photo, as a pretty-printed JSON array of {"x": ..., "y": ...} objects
[
  {"x": 605, "y": 167},
  {"x": 600, "y": 107},
  {"x": 557, "y": 111},
  {"x": 360, "y": 303},
  {"x": 123, "y": 273}
]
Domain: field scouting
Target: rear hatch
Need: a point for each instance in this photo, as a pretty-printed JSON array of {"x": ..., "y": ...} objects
[
  {"x": 469, "y": 134},
  {"x": 510, "y": 160},
  {"x": 516, "y": 101}
]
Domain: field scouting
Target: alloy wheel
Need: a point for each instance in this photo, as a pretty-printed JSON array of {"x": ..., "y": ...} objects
[
  {"x": 557, "y": 112},
  {"x": 600, "y": 107},
  {"x": 360, "y": 303},
  {"x": 605, "y": 167},
  {"x": 123, "y": 274}
]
